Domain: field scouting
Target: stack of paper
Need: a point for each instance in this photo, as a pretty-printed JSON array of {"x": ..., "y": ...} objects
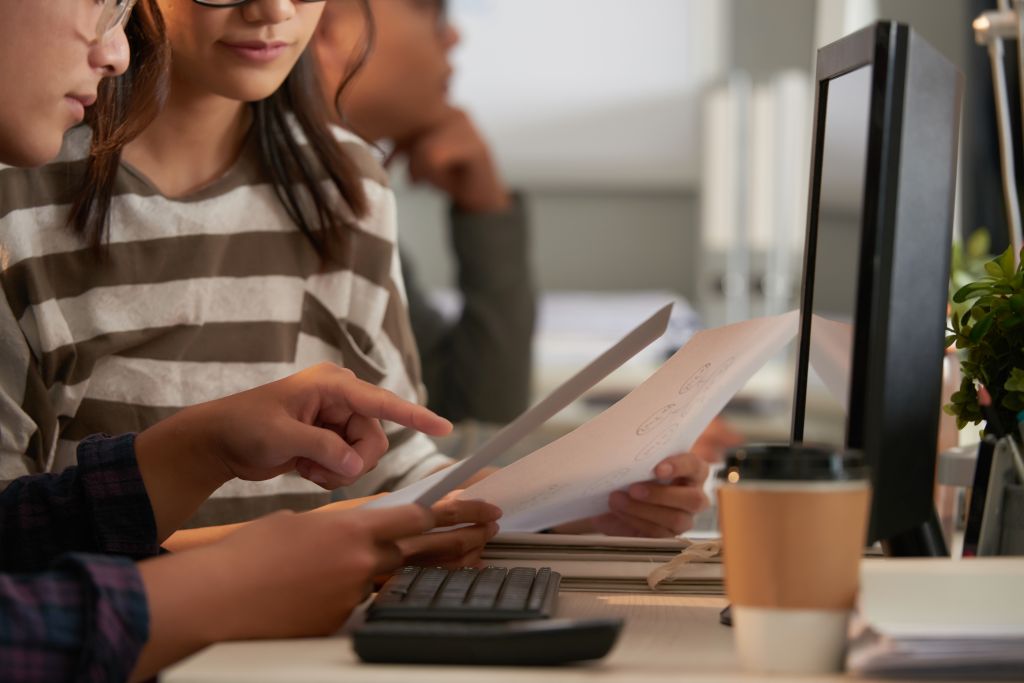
[
  {"x": 606, "y": 564},
  {"x": 940, "y": 617}
]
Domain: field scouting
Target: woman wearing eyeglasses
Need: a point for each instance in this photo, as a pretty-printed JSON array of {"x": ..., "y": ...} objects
[
  {"x": 82, "y": 595},
  {"x": 235, "y": 239}
]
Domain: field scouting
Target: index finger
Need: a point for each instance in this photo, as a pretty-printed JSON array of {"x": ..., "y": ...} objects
[{"x": 373, "y": 401}]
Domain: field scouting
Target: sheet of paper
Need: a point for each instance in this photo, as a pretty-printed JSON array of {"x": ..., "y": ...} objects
[
  {"x": 572, "y": 477},
  {"x": 430, "y": 490}
]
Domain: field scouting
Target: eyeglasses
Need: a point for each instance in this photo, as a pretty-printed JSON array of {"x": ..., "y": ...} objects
[
  {"x": 112, "y": 14},
  {"x": 232, "y": 3}
]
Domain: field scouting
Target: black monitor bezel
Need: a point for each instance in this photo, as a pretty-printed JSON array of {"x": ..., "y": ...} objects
[
  {"x": 895, "y": 427},
  {"x": 875, "y": 46}
]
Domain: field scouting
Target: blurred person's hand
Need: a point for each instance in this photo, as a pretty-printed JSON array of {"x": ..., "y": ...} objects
[
  {"x": 452, "y": 156},
  {"x": 284, "y": 576},
  {"x": 454, "y": 548},
  {"x": 714, "y": 441}
]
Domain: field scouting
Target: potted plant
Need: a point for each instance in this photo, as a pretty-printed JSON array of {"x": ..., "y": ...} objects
[{"x": 987, "y": 326}]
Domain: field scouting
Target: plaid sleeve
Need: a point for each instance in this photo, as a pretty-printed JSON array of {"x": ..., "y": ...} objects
[
  {"x": 85, "y": 619},
  {"x": 100, "y": 506}
]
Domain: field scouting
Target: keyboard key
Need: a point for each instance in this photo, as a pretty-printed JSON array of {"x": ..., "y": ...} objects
[
  {"x": 425, "y": 586},
  {"x": 467, "y": 594},
  {"x": 486, "y": 587},
  {"x": 455, "y": 589}
]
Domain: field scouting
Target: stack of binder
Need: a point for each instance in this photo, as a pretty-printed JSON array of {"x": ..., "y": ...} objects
[
  {"x": 607, "y": 564},
  {"x": 940, "y": 617}
]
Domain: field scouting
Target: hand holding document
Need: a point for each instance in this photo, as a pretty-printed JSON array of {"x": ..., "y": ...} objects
[
  {"x": 428, "y": 491},
  {"x": 572, "y": 477}
]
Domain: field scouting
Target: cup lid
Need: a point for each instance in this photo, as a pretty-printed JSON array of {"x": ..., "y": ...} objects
[{"x": 792, "y": 462}]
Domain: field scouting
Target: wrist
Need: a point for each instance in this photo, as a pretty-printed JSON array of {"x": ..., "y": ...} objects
[
  {"x": 189, "y": 598},
  {"x": 180, "y": 468},
  {"x": 185, "y": 442}
]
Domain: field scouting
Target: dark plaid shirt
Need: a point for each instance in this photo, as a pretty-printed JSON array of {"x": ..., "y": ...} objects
[{"x": 72, "y": 604}]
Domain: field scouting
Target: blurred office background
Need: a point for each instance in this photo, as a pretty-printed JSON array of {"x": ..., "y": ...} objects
[{"x": 663, "y": 147}]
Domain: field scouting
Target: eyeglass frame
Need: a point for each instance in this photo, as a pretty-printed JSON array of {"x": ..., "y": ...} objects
[
  {"x": 111, "y": 16},
  {"x": 233, "y": 3}
]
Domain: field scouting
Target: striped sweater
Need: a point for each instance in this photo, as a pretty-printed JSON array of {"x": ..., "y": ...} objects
[{"x": 195, "y": 298}]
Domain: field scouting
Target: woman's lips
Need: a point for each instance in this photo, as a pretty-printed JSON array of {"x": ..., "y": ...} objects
[
  {"x": 78, "y": 103},
  {"x": 256, "y": 51}
]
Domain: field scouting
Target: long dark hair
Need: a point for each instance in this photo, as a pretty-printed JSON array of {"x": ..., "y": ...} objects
[{"x": 128, "y": 104}]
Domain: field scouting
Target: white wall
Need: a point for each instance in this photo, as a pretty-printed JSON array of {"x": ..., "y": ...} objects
[
  {"x": 605, "y": 229},
  {"x": 590, "y": 92}
]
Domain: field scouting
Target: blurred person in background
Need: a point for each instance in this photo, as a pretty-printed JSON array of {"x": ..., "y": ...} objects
[{"x": 478, "y": 367}]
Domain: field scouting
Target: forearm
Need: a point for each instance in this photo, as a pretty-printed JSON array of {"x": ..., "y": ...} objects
[
  {"x": 489, "y": 363},
  {"x": 190, "y": 606},
  {"x": 188, "y": 539},
  {"x": 179, "y": 471}
]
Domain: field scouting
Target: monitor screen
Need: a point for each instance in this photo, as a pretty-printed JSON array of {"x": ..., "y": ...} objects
[{"x": 837, "y": 255}]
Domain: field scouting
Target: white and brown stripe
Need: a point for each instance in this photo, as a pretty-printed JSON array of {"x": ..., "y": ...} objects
[{"x": 193, "y": 299}]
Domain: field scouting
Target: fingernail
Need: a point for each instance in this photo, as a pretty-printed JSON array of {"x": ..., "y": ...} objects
[
  {"x": 663, "y": 471},
  {"x": 351, "y": 465},
  {"x": 640, "y": 492}
]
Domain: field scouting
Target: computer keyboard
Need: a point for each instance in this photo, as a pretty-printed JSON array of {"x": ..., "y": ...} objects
[
  {"x": 495, "y": 615},
  {"x": 467, "y": 594}
]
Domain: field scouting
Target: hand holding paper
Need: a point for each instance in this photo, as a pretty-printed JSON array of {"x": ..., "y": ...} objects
[{"x": 573, "y": 477}]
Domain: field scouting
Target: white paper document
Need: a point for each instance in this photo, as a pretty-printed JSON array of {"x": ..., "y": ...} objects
[
  {"x": 428, "y": 491},
  {"x": 572, "y": 477}
]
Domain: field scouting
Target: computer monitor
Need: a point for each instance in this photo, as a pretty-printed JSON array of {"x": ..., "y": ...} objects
[{"x": 876, "y": 267}]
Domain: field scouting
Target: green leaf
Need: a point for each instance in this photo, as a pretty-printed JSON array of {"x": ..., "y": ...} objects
[
  {"x": 972, "y": 291},
  {"x": 995, "y": 269},
  {"x": 1008, "y": 262},
  {"x": 950, "y": 340},
  {"x": 982, "y": 327},
  {"x": 1014, "y": 403},
  {"x": 1016, "y": 380}
]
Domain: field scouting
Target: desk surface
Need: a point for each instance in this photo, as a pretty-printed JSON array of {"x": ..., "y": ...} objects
[{"x": 666, "y": 638}]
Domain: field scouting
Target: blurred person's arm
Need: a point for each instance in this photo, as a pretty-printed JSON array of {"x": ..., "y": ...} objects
[{"x": 478, "y": 368}]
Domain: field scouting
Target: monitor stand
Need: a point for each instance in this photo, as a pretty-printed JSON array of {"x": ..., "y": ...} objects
[{"x": 924, "y": 541}]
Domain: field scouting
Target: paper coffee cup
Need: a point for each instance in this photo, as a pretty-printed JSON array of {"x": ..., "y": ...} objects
[{"x": 794, "y": 523}]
